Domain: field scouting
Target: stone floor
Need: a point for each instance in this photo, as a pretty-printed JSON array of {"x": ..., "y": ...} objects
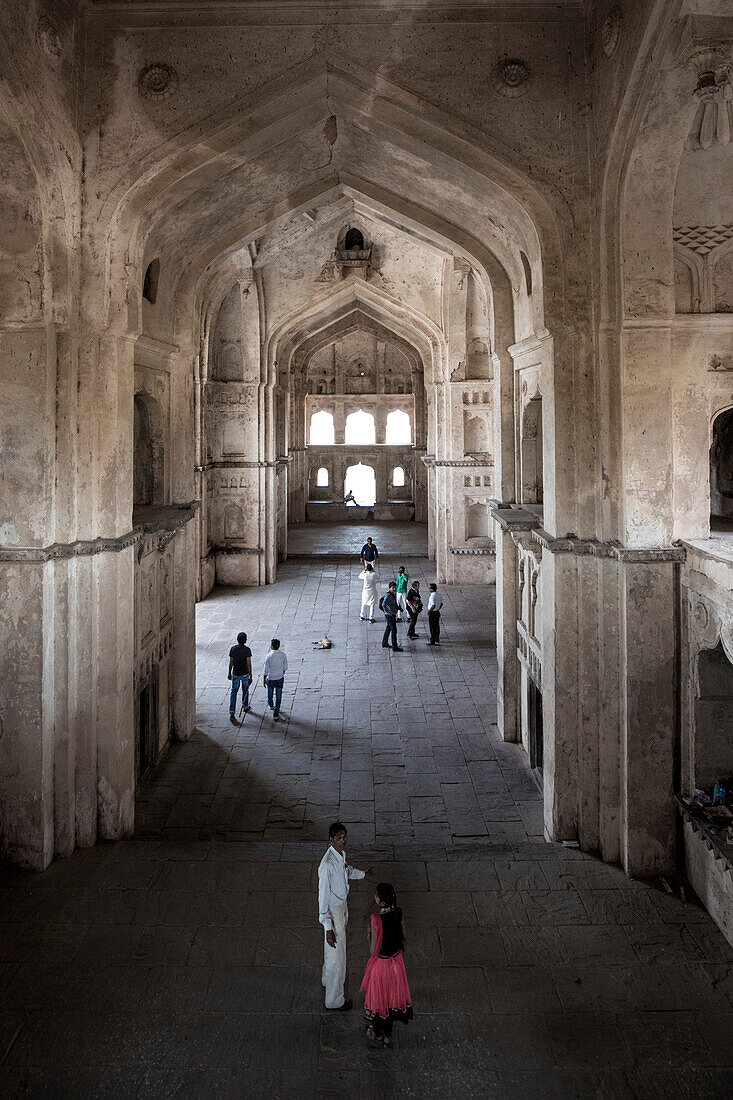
[{"x": 185, "y": 962}]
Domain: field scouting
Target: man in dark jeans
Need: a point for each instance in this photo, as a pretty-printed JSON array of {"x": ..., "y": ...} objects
[
  {"x": 434, "y": 605},
  {"x": 240, "y": 673},
  {"x": 414, "y": 607},
  {"x": 389, "y": 607},
  {"x": 369, "y": 553}
]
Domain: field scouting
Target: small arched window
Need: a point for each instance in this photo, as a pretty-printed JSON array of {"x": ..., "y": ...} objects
[
  {"x": 322, "y": 478},
  {"x": 354, "y": 239},
  {"x": 398, "y": 477},
  {"x": 150, "y": 282}
]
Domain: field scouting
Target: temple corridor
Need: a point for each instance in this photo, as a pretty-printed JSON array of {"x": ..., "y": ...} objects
[{"x": 186, "y": 962}]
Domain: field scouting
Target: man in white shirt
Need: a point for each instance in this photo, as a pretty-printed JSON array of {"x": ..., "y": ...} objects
[
  {"x": 434, "y": 605},
  {"x": 333, "y": 913},
  {"x": 276, "y": 664}
]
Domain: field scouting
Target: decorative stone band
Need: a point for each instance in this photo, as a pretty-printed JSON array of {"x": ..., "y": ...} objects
[
  {"x": 256, "y": 550},
  {"x": 512, "y": 517},
  {"x": 174, "y": 517},
  {"x": 431, "y": 461},
  {"x": 482, "y": 551},
  {"x": 242, "y": 464},
  {"x": 631, "y": 554},
  {"x": 80, "y": 549}
]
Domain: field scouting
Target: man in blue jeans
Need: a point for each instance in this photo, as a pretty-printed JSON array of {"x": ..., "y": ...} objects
[
  {"x": 276, "y": 665},
  {"x": 240, "y": 673},
  {"x": 388, "y": 604}
]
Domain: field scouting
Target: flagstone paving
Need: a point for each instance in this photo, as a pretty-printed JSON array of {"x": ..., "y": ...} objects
[{"x": 186, "y": 962}]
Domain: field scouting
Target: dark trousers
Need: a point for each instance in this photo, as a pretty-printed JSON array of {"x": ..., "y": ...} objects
[
  {"x": 434, "y": 624},
  {"x": 382, "y": 1027},
  {"x": 390, "y": 628},
  {"x": 413, "y": 624}
]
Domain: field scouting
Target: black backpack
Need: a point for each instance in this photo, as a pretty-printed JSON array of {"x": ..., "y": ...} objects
[{"x": 381, "y": 603}]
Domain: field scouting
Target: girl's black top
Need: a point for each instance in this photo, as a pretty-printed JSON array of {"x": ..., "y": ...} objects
[{"x": 393, "y": 940}]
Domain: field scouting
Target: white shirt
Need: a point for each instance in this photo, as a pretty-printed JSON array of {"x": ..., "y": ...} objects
[
  {"x": 370, "y": 581},
  {"x": 435, "y": 603},
  {"x": 276, "y": 665},
  {"x": 333, "y": 884}
]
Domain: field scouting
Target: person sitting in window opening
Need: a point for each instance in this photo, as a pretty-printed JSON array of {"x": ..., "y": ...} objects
[
  {"x": 369, "y": 577},
  {"x": 350, "y": 498}
]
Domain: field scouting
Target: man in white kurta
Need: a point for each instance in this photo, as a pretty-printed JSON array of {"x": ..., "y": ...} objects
[
  {"x": 333, "y": 913},
  {"x": 370, "y": 577}
]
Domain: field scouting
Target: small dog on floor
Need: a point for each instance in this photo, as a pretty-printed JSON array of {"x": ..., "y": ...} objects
[{"x": 323, "y": 643}]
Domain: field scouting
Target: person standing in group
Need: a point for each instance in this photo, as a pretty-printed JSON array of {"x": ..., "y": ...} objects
[
  {"x": 388, "y": 604},
  {"x": 273, "y": 676},
  {"x": 387, "y": 994},
  {"x": 369, "y": 553},
  {"x": 369, "y": 577},
  {"x": 434, "y": 605},
  {"x": 401, "y": 580},
  {"x": 240, "y": 673},
  {"x": 334, "y": 874},
  {"x": 414, "y": 607}
]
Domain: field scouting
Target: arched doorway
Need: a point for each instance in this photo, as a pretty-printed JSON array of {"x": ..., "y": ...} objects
[{"x": 360, "y": 481}]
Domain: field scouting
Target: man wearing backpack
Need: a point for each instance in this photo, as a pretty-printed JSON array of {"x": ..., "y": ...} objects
[{"x": 388, "y": 604}]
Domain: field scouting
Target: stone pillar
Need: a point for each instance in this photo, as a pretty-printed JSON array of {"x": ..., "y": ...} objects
[
  {"x": 184, "y": 632},
  {"x": 339, "y": 422},
  {"x": 114, "y": 578},
  {"x": 649, "y": 712},
  {"x": 560, "y": 693},
  {"x": 508, "y": 519}
]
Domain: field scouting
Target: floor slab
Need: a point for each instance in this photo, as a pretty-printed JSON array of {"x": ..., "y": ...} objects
[{"x": 186, "y": 962}]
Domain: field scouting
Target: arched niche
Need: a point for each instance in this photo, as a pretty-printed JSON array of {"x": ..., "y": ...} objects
[
  {"x": 723, "y": 279},
  {"x": 721, "y": 467},
  {"x": 476, "y": 433},
  {"x": 478, "y": 330},
  {"x": 477, "y": 520},
  {"x": 531, "y": 452},
  {"x": 148, "y": 466},
  {"x": 234, "y": 348},
  {"x": 713, "y": 717},
  {"x": 21, "y": 264},
  {"x": 233, "y": 522}
]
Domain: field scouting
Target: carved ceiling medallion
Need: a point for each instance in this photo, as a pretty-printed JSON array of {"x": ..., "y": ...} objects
[
  {"x": 611, "y": 31},
  {"x": 157, "y": 81},
  {"x": 510, "y": 77},
  {"x": 49, "y": 39}
]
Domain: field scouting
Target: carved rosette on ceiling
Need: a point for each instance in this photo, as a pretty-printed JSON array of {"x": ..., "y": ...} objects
[
  {"x": 611, "y": 31},
  {"x": 510, "y": 77},
  {"x": 157, "y": 81},
  {"x": 49, "y": 40}
]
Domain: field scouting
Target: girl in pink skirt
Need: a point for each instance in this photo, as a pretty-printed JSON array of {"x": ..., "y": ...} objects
[{"x": 385, "y": 979}]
